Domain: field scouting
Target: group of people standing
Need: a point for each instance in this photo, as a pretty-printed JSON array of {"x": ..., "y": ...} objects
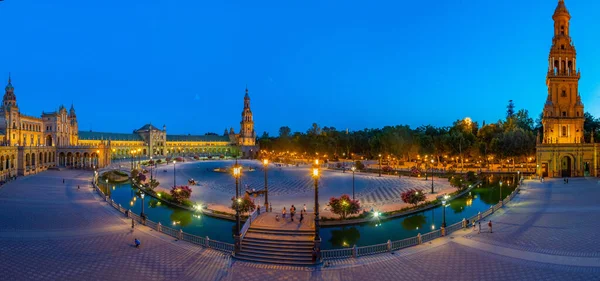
[{"x": 292, "y": 213}]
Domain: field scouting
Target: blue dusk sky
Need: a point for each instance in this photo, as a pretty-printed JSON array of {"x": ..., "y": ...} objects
[{"x": 346, "y": 64}]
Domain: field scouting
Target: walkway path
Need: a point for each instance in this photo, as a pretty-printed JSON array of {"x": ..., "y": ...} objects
[{"x": 52, "y": 231}]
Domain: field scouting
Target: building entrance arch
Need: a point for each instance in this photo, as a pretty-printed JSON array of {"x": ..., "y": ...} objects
[{"x": 566, "y": 164}]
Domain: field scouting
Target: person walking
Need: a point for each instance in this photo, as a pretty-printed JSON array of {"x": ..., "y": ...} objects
[
  {"x": 137, "y": 243},
  {"x": 292, "y": 212},
  {"x": 490, "y": 226},
  {"x": 132, "y": 224},
  {"x": 479, "y": 230},
  {"x": 283, "y": 213},
  {"x": 63, "y": 180},
  {"x": 304, "y": 208},
  {"x": 473, "y": 225},
  {"x": 301, "y": 217}
]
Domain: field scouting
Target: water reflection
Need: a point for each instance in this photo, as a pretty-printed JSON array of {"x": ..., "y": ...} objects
[
  {"x": 345, "y": 237},
  {"x": 181, "y": 217},
  {"x": 415, "y": 222},
  {"x": 478, "y": 199}
]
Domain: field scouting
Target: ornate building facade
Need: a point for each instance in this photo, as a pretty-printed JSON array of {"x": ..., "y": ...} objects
[
  {"x": 562, "y": 151},
  {"x": 32, "y": 144}
]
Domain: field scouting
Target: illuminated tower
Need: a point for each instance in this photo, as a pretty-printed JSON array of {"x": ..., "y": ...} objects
[
  {"x": 563, "y": 112},
  {"x": 247, "y": 135}
]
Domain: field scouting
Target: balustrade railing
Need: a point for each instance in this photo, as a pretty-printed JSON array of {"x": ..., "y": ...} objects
[
  {"x": 405, "y": 243},
  {"x": 373, "y": 249},
  {"x": 336, "y": 253},
  {"x": 249, "y": 221}
]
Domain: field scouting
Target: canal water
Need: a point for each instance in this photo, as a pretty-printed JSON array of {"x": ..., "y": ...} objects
[{"x": 377, "y": 231}]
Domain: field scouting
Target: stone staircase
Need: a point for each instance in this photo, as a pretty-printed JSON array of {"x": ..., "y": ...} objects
[{"x": 269, "y": 245}]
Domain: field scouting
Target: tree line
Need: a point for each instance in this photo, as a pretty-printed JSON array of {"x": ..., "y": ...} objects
[{"x": 511, "y": 138}]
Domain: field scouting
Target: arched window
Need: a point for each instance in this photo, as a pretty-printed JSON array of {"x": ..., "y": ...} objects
[
  {"x": 564, "y": 114},
  {"x": 563, "y": 93},
  {"x": 564, "y": 131}
]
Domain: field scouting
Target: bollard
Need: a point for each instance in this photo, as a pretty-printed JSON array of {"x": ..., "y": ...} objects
[
  {"x": 478, "y": 216},
  {"x": 159, "y": 227},
  {"x": 207, "y": 242},
  {"x": 180, "y": 236},
  {"x": 464, "y": 223},
  {"x": 492, "y": 207},
  {"x": 354, "y": 251},
  {"x": 501, "y": 203},
  {"x": 128, "y": 213},
  {"x": 419, "y": 240},
  {"x": 389, "y": 245}
]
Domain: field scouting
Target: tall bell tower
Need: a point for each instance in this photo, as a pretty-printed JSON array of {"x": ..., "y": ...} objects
[
  {"x": 247, "y": 135},
  {"x": 563, "y": 112}
]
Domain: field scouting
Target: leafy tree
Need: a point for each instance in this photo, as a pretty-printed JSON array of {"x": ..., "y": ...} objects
[
  {"x": 344, "y": 206},
  {"x": 284, "y": 132},
  {"x": 181, "y": 193},
  {"x": 141, "y": 177},
  {"x": 510, "y": 109},
  {"x": 413, "y": 196},
  {"x": 246, "y": 204},
  {"x": 359, "y": 165}
]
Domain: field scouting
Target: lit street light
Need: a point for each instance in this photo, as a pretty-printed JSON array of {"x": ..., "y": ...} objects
[
  {"x": 236, "y": 174},
  {"x": 380, "y": 165},
  {"x": 353, "y": 169},
  {"x": 266, "y": 164},
  {"x": 174, "y": 181},
  {"x": 142, "y": 214},
  {"x": 431, "y": 175},
  {"x": 444, "y": 209},
  {"x": 315, "y": 175}
]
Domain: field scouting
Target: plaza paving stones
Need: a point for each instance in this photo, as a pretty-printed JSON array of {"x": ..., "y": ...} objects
[{"x": 52, "y": 231}]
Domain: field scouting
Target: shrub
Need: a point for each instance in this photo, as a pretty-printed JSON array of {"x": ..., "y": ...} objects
[
  {"x": 246, "y": 204},
  {"x": 415, "y": 172},
  {"x": 413, "y": 196},
  {"x": 141, "y": 178},
  {"x": 344, "y": 206},
  {"x": 159, "y": 161},
  {"x": 456, "y": 181},
  {"x": 359, "y": 165},
  {"x": 181, "y": 193}
]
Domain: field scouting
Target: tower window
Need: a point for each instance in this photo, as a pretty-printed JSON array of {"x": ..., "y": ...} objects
[
  {"x": 577, "y": 113},
  {"x": 562, "y": 30},
  {"x": 562, "y": 47},
  {"x": 563, "y": 93},
  {"x": 564, "y": 114},
  {"x": 564, "y": 131}
]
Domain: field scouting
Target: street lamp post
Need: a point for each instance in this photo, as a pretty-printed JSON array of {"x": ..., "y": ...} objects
[
  {"x": 107, "y": 189},
  {"x": 266, "y": 164},
  {"x": 142, "y": 214},
  {"x": 151, "y": 166},
  {"x": 444, "y": 209},
  {"x": 353, "y": 169},
  {"x": 174, "y": 181},
  {"x": 236, "y": 174},
  {"x": 431, "y": 175},
  {"x": 315, "y": 175},
  {"x": 380, "y": 165}
]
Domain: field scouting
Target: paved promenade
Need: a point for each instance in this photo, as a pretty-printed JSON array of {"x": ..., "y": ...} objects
[{"x": 52, "y": 231}]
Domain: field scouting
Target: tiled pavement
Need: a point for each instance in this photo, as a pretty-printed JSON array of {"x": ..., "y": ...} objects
[{"x": 52, "y": 231}]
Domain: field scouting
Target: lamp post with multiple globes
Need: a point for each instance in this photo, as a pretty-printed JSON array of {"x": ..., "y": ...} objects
[{"x": 353, "y": 170}]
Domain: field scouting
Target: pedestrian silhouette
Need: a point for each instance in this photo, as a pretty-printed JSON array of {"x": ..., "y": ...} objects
[{"x": 137, "y": 243}]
